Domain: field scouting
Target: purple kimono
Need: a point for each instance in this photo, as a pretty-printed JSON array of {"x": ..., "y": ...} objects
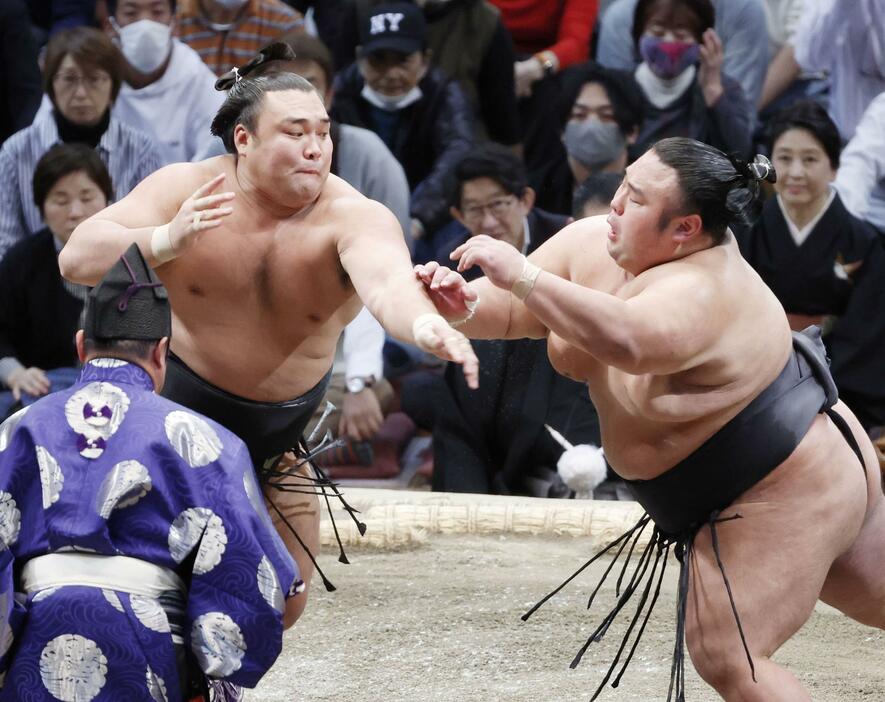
[{"x": 107, "y": 468}]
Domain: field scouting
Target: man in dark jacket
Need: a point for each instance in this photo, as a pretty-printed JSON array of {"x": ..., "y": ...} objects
[
  {"x": 493, "y": 439},
  {"x": 422, "y": 116}
]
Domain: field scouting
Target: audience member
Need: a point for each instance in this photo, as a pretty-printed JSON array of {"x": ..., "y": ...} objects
[
  {"x": 227, "y": 33},
  {"x": 19, "y": 74},
  {"x": 861, "y": 177},
  {"x": 825, "y": 266},
  {"x": 594, "y": 196},
  {"x": 39, "y": 310},
  {"x": 845, "y": 40},
  {"x": 358, "y": 155},
  {"x": 169, "y": 92},
  {"x": 421, "y": 115},
  {"x": 601, "y": 110},
  {"x": 686, "y": 92},
  {"x": 493, "y": 439},
  {"x": 333, "y": 20},
  {"x": 52, "y": 16},
  {"x": 83, "y": 73},
  {"x": 739, "y": 24}
]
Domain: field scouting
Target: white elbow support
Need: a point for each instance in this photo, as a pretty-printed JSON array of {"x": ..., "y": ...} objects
[
  {"x": 526, "y": 281},
  {"x": 425, "y": 337},
  {"x": 161, "y": 245}
]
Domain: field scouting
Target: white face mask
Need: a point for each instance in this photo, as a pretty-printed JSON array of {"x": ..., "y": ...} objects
[
  {"x": 145, "y": 44},
  {"x": 391, "y": 103}
]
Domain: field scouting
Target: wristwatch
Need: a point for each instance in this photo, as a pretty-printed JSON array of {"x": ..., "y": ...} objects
[{"x": 357, "y": 384}]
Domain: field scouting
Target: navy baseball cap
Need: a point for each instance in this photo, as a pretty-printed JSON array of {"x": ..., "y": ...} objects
[{"x": 395, "y": 26}]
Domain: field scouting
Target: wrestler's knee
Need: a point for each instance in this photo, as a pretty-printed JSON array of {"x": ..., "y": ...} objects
[
  {"x": 294, "y": 608},
  {"x": 720, "y": 663}
]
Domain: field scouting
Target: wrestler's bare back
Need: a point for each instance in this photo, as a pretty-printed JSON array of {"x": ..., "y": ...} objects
[
  {"x": 650, "y": 422},
  {"x": 263, "y": 289}
]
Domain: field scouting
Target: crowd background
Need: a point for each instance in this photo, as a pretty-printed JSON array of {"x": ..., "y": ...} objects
[{"x": 508, "y": 118}]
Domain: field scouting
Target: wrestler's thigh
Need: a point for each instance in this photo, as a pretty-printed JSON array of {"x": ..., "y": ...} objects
[
  {"x": 856, "y": 582},
  {"x": 776, "y": 556}
]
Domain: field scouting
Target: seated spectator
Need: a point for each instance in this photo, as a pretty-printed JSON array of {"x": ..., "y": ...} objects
[
  {"x": 169, "y": 92},
  {"x": 861, "y": 177},
  {"x": 686, "y": 92},
  {"x": 601, "y": 112},
  {"x": 52, "y": 16},
  {"x": 421, "y": 115},
  {"x": 739, "y": 24},
  {"x": 846, "y": 41},
  {"x": 594, "y": 196},
  {"x": 39, "y": 310},
  {"x": 493, "y": 439},
  {"x": 358, "y": 155},
  {"x": 19, "y": 72},
  {"x": 227, "y": 33},
  {"x": 83, "y": 73},
  {"x": 826, "y": 266}
]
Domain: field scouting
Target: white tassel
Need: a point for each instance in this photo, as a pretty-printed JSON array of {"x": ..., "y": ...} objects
[{"x": 582, "y": 468}]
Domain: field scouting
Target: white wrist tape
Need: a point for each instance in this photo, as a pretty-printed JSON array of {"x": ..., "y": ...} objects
[
  {"x": 526, "y": 281},
  {"x": 471, "y": 306},
  {"x": 161, "y": 245},
  {"x": 425, "y": 337}
]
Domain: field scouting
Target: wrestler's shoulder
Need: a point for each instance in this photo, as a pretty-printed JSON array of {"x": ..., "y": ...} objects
[
  {"x": 186, "y": 177},
  {"x": 342, "y": 199}
]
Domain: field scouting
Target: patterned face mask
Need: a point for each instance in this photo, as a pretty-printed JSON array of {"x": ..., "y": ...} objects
[{"x": 667, "y": 59}]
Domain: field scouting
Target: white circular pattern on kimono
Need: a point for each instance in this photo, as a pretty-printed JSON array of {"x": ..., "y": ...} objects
[
  {"x": 10, "y": 520},
  {"x": 108, "y": 362},
  {"x": 149, "y": 612},
  {"x": 218, "y": 644},
  {"x": 6, "y": 635},
  {"x": 43, "y": 594},
  {"x": 113, "y": 599},
  {"x": 125, "y": 484},
  {"x": 189, "y": 528},
  {"x": 97, "y": 395},
  {"x": 192, "y": 438},
  {"x": 253, "y": 492},
  {"x": 73, "y": 668},
  {"x": 8, "y": 428},
  {"x": 212, "y": 546},
  {"x": 269, "y": 584},
  {"x": 51, "y": 477},
  {"x": 156, "y": 686}
]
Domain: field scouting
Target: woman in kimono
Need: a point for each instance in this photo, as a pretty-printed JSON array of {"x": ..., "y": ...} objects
[{"x": 823, "y": 263}]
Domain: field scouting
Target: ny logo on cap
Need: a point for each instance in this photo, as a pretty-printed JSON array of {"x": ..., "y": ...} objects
[{"x": 380, "y": 22}]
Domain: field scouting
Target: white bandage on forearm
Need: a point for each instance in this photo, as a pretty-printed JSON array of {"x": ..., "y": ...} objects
[
  {"x": 161, "y": 245},
  {"x": 471, "y": 306},
  {"x": 526, "y": 281},
  {"x": 422, "y": 330}
]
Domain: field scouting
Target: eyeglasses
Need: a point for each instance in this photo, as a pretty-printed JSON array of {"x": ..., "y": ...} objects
[
  {"x": 497, "y": 207},
  {"x": 70, "y": 81}
]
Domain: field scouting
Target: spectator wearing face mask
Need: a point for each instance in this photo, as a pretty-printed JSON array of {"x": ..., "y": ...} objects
[
  {"x": 687, "y": 94},
  {"x": 422, "y": 116},
  {"x": 168, "y": 91},
  {"x": 227, "y": 33},
  {"x": 600, "y": 112}
]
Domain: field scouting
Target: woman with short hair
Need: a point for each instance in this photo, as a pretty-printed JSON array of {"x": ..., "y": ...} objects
[
  {"x": 82, "y": 75},
  {"x": 39, "y": 310}
]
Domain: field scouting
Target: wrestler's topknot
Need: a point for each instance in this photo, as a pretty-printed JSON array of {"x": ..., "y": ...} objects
[
  {"x": 246, "y": 87},
  {"x": 723, "y": 190}
]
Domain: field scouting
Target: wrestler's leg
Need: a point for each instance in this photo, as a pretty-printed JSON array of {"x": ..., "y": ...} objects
[
  {"x": 793, "y": 525},
  {"x": 302, "y": 513},
  {"x": 856, "y": 583}
]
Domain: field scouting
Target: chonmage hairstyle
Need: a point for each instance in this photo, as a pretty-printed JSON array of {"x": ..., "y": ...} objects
[
  {"x": 64, "y": 159},
  {"x": 810, "y": 116},
  {"x": 492, "y": 161},
  {"x": 246, "y": 92},
  {"x": 721, "y": 189}
]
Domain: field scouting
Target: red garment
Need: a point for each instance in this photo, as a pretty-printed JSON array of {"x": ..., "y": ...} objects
[{"x": 560, "y": 26}]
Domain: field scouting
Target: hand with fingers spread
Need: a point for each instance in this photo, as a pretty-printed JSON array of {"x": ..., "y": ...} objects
[
  {"x": 203, "y": 210},
  {"x": 30, "y": 380},
  {"x": 502, "y": 264},
  {"x": 710, "y": 69},
  {"x": 448, "y": 291},
  {"x": 434, "y": 335},
  {"x": 361, "y": 415}
]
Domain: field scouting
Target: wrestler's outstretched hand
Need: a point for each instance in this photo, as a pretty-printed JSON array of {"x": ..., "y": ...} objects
[
  {"x": 448, "y": 290},
  {"x": 434, "y": 335},
  {"x": 201, "y": 211},
  {"x": 501, "y": 262}
]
